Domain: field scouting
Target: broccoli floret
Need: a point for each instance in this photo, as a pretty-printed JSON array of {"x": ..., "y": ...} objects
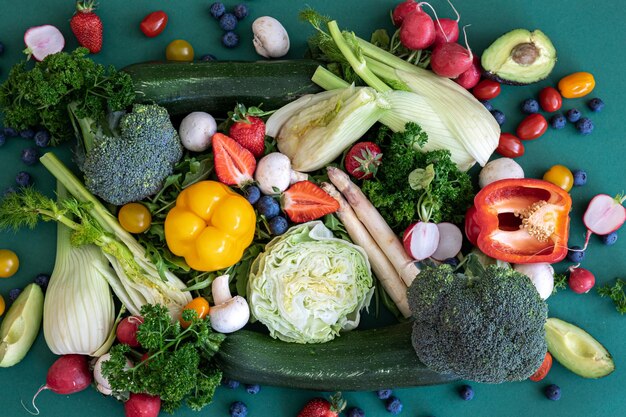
[
  {"x": 488, "y": 327},
  {"x": 132, "y": 164}
]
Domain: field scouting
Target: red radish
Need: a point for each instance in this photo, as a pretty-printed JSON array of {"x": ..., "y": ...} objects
[
  {"x": 417, "y": 31},
  {"x": 421, "y": 240},
  {"x": 580, "y": 280},
  {"x": 42, "y": 41},
  {"x": 450, "y": 241},
  {"x": 604, "y": 215},
  {"x": 447, "y": 30},
  {"x": 471, "y": 77},
  {"x": 127, "y": 330},
  {"x": 450, "y": 60},
  {"x": 67, "y": 375},
  {"x": 404, "y": 9},
  {"x": 142, "y": 405}
]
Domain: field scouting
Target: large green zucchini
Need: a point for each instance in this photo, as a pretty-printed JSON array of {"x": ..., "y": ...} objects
[
  {"x": 360, "y": 360},
  {"x": 216, "y": 87}
]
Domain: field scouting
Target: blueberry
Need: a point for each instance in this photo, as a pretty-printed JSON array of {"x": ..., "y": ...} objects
[
  {"x": 558, "y": 121},
  {"x": 42, "y": 138},
  {"x": 230, "y": 39},
  {"x": 530, "y": 106},
  {"x": 268, "y": 207},
  {"x": 9, "y": 132},
  {"x": 42, "y": 280},
  {"x": 208, "y": 57},
  {"x": 278, "y": 225},
  {"x": 499, "y": 116},
  {"x": 466, "y": 392},
  {"x": 609, "y": 239},
  {"x": 230, "y": 383},
  {"x": 217, "y": 9},
  {"x": 27, "y": 133},
  {"x": 580, "y": 177},
  {"x": 228, "y": 22},
  {"x": 355, "y": 412},
  {"x": 238, "y": 409},
  {"x": 3, "y": 139},
  {"x": 595, "y": 104},
  {"x": 253, "y": 194},
  {"x": 1, "y": 48},
  {"x": 383, "y": 394},
  {"x": 30, "y": 156},
  {"x": 14, "y": 293},
  {"x": 240, "y": 11},
  {"x": 487, "y": 104},
  {"x": 23, "y": 179},
  {"x": 393, "y": 405},
  {"x": 553, "y": 392},
  {"x": 573, "y": 115},
  {"x": 253, "y": 388},
  {"x": 453, "y": 262},
  {"x": 575, "y": 254},
  {"x": 584, "y": 126}
]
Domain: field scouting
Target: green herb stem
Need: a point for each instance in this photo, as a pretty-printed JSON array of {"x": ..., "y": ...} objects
[{"x": 327, "y": 80}]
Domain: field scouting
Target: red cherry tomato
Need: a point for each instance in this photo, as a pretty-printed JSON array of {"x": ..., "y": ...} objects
[
  {"x": 472, "y": 229},
  {"x": 510, "y": 146},
  {"x": 486, "y": 90},
  {"x": 543, "y": 369},
  {"x": 550, "y": 99},
  {"x": 153, "y": 24},
  {"x": 533, "y": 126}
]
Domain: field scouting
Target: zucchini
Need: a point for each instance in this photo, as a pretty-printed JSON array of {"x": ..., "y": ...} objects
[
  {"x": 216, "y": 87},
  {"x": 360, "y": 360}
]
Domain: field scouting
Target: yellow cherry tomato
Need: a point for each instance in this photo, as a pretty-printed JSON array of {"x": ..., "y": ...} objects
[
  {"x": 2, "y": 305},
  {"x": 560, "y": 176},
  {"x": 9, "y": 263},
  {"x": 200, "y": 305},
  {"x": 179, "y": 50},
  {"x": 134, "y": 217},
  {"x": 576, "y": 85}
]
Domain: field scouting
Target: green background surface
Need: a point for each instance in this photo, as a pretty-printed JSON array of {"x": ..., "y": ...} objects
[{"x": 589, "y": 36}]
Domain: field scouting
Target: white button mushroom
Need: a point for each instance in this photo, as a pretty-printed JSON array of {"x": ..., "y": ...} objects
[
  {"x": 196, "y": 130},
  {"x": 270, "y": 37},
  {"x": 229, "y": 313},
  {"x": 102, "y": 384},
  {"x": 541, "y": 274},
  {"x": 274, "y": 174},
  {"x": 499, "y": 169}
]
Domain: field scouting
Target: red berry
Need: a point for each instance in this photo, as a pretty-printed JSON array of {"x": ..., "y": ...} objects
[
  {"x": 87, "y": 26},
  {"x": 234, "y": 165},
  {"x": 362, "y": 160},
  {"x": 250, "y": 133},
  {"x": 305, "y": 201}
]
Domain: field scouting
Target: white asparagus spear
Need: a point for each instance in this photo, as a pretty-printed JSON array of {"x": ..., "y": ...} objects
[
  {"x": 376, "y": 225},
  {"x": 384, "y": 270}
]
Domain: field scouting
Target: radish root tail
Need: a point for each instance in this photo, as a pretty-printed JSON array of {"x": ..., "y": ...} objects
[
  {"x": 458, "y": 16},
  {"x": 436, "y": 18},
  {"x": 471, "y": 54},
  {"x": 36, "y": 413}
]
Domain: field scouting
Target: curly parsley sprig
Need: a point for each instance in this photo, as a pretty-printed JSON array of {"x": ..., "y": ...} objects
[{"x": 615, "y": 293}]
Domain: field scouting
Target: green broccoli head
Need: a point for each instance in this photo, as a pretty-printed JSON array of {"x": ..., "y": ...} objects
[
  {"x": 133, "y": 165},
  {"x": 488, "y": 328}
]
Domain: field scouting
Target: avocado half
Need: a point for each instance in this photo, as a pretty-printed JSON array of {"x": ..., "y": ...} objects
[{"x": 519, "y": 57}]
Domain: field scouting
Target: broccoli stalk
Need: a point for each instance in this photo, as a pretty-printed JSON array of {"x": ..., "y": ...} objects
[{"x": 486, "y": 325}]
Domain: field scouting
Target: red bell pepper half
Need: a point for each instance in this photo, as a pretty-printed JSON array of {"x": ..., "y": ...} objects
[{"x": 523, "y": 220}]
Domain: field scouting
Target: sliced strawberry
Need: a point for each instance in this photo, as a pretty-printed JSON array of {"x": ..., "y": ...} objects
[
  {"x": 234, "y": 165},
  {"x": 305, "y": 201}
]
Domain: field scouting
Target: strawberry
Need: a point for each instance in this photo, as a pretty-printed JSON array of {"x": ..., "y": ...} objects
[
  {"x": 362, "y": 160},
  {"x": 320, "y": 407},
  {"x": 87, "y": 26},
  {"x": 248, "y": 129},
  {"x": 234, "y": 165},
  {"x": 305, "y": 201}
]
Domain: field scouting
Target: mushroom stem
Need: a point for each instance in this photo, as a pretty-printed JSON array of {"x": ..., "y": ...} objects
[{"x": 220, "y": 290}]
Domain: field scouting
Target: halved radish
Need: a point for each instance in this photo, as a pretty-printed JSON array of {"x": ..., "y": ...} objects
[
  {"x": 450, "y": 241},
  {"x": 604, "y": 214},
  {"x": 42, "y": 41},
  {"x": 421, "y": 240}
]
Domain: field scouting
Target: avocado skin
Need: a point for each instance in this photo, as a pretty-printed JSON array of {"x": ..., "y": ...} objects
[{"x": 504, "y": 45}]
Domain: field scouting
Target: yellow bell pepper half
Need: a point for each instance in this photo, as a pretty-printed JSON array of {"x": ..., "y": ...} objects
[{"x": 210, "y": 226}]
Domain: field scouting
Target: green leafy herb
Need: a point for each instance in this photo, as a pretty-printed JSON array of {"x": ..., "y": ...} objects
[
  {"x": 615, "y": 293},
  {"x": 178, "y": 367},
  {"x": 442, "y": 192},
  {"x": 40, "y": 96},
  {"x": 560, "y": 282}
]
